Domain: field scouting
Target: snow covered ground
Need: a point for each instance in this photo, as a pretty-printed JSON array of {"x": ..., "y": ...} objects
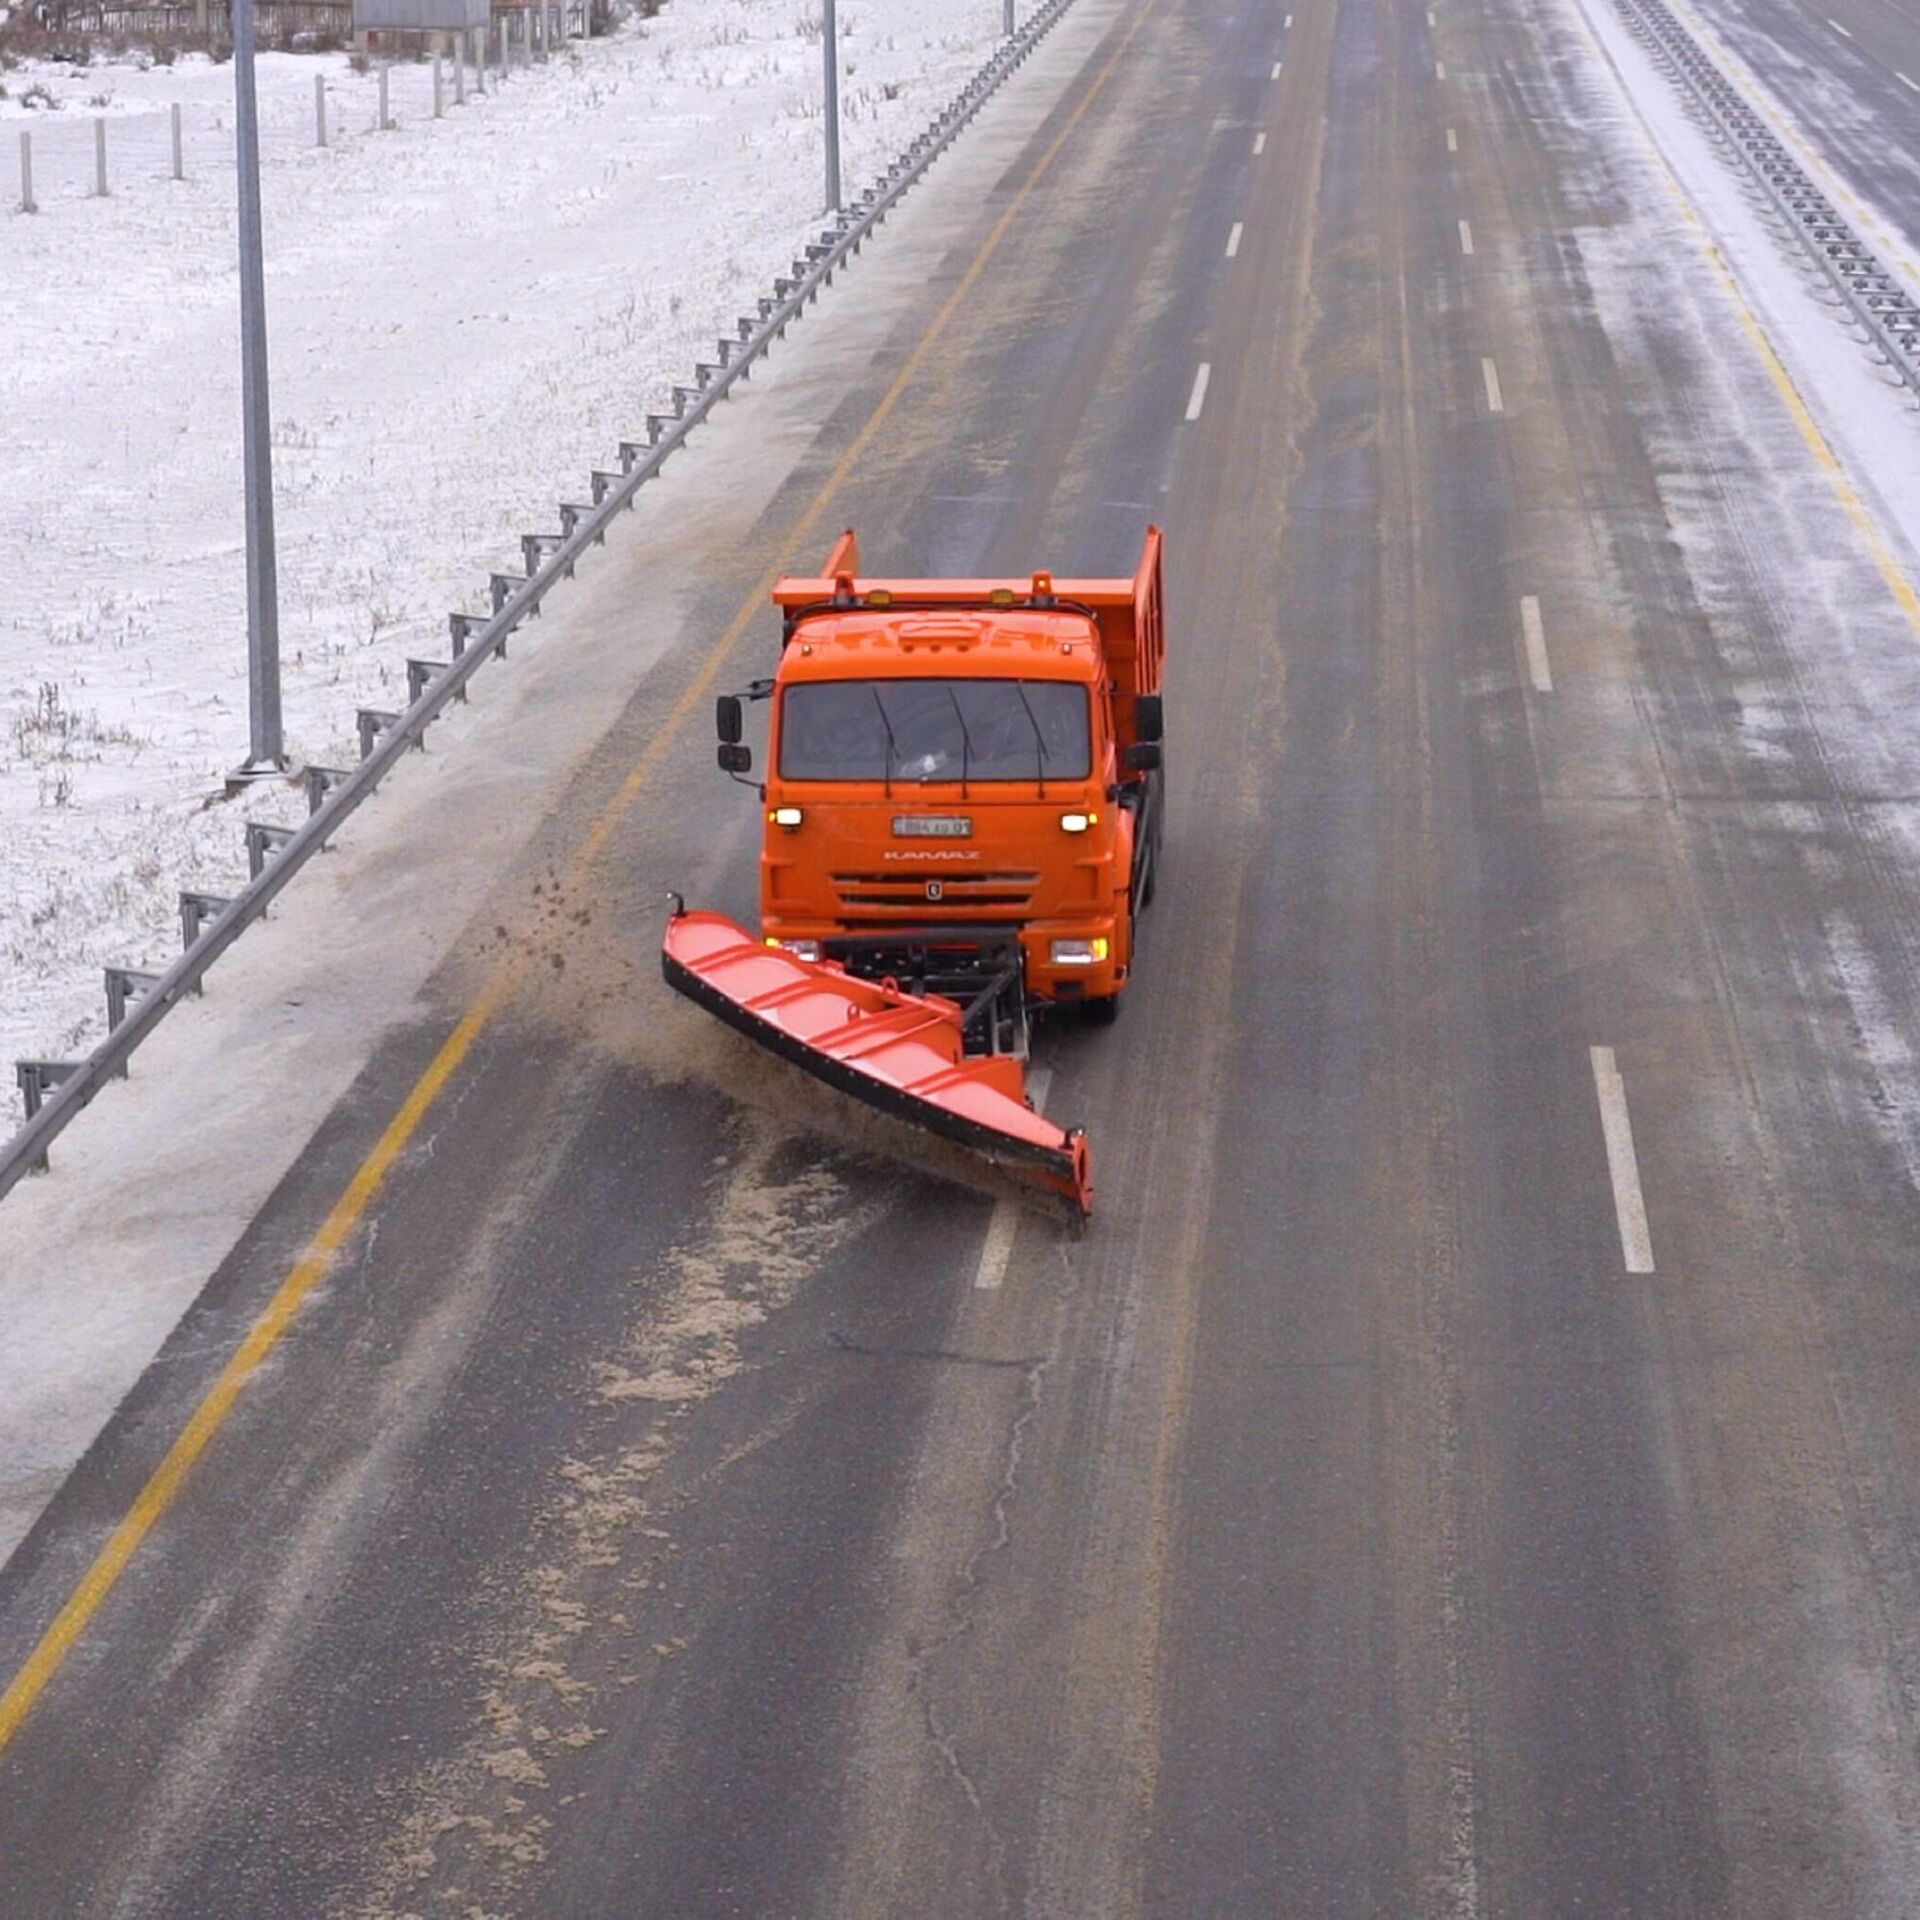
[{"x": 466, "y": 315}]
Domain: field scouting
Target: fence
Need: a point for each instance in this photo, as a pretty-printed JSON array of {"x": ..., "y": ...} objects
[{"x": 74, "y": 153}]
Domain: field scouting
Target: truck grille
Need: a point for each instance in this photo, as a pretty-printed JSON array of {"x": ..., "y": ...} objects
[{"x": 905, "y": 889}]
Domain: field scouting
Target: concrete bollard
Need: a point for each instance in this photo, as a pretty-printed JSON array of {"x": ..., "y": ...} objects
[
  {"x": 179, "y": 162},
  {"x": 100, "y": 158},
  {"x": 319, "y": 109},
  {"x": 27, "y": 204},
  {"x": 439, "y": 93}
]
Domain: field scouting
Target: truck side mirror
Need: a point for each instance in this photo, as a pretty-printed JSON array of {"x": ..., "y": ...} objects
[
  {"x": 1149, "y": 723},
  {"x": 1143, "y": 757},
  {"x": 726, "y": 719},
  {"x": 734, "y": 758}
]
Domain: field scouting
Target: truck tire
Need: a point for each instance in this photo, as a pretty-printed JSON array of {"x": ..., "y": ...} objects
[{"x": 1102, "y": 1012}]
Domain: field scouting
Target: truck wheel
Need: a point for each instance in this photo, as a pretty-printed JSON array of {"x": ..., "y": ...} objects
[{"x": 1104, "y": 1011}]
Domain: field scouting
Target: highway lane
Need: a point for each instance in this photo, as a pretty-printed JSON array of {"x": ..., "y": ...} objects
[
  {"x": 650, "y": 1514},
  {"x": 1848, "y": 74}
]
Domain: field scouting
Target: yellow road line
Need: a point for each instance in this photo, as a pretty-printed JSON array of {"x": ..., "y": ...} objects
[{"x": 496, "y": 990}]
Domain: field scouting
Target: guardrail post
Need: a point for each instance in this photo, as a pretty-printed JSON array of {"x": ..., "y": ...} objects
[
  {"x": 421, "y": 674},
  {"x": 386, "y": 118},
  {"x": 27, "y": 203},
  {"x": 179, "y": 157},
  {"x": 263, "y": 841},
  {"x": 439, "y": 92},
  {"x": 196, "y": 909},
  {"x": 124, "y": 985},
  {"x": 370, "y": 723},
  {"x": 100, "y": 157},
  {"x": 319, "y": 782},
  {"x": 479, "y": 49},
  {"x": 319, "y": 109},
  {"x": 460, "y": 70},
  {"x": 36, "y": 1079}
]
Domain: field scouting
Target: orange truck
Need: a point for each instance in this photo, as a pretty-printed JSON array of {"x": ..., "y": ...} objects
[{"x": 963, "y": 821}]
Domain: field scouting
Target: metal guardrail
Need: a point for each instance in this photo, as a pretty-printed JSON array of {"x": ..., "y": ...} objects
[
  {"x": 56, "y": 1091},
  {"x": 1879, "y": 302}
]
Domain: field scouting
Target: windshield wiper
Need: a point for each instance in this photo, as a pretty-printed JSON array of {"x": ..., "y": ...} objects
[
  {"x": 893, "y": 746},
  {"x": 966, "y": 739},
  {"x": 1039, "y": 741}
]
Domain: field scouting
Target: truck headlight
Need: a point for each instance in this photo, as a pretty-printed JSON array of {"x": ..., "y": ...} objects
[
  {"x": 788, "y": 817},
  {"x": 1077, "y": 822},
  {"x": 1077, "y": 953}
]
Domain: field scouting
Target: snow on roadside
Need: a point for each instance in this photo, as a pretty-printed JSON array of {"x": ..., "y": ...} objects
[{"x": 466, "y": 316}]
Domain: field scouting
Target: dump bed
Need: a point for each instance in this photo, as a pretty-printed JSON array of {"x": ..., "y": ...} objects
[{"x": 1127, "y": 613}]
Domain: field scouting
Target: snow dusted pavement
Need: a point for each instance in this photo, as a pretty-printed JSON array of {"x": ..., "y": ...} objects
[{"x": 466, "y": 316}]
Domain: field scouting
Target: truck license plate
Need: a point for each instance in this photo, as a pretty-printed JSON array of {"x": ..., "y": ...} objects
[{"x": 932, "y": 826}]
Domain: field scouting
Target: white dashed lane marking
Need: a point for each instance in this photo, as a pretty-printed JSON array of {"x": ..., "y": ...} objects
[
  {"x": 1533, "y": 634},
  {"x": 1629, "y": 1205},
  {"x": 1198, "y": 398}
]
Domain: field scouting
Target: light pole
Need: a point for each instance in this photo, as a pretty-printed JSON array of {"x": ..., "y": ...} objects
[
  {"x": 267, "y": 746},
  {"x": 829, "y": 39}
]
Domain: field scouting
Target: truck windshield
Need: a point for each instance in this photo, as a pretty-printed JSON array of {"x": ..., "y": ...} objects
[{"x": 924, "y": 730}]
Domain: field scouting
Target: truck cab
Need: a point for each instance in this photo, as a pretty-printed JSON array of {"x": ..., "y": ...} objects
[{"x": 962, "y": 788}]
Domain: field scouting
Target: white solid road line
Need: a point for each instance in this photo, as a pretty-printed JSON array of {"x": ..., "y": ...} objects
[
  {"x": 1911, "y": 85},
  {"x": 998, "y": 1248},
  {"x": 1233, "y": 239},
  {"x": 1453, "y": 141},
  {"x": 1839, "y": 29},
  {"x": 1533, "y": 631},
  {"x": 1466, "y": 236},
  {"x": 1199, "y": 396},
  {"x": 1630, "y": 1209},
  {"x": 1259, "y": 143},
  {"x": 1491, "y": 375}
]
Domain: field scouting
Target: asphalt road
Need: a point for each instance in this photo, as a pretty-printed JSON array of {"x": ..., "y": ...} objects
[{"x": 652, "y": 1514}]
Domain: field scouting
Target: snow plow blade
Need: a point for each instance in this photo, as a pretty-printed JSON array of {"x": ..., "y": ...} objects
[{"x": 900, "y": 1052}]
